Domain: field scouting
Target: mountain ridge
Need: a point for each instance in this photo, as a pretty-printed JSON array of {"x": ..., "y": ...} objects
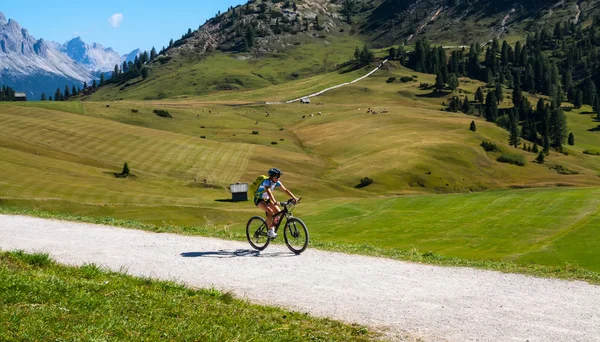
[{"x": 39, "y": 66}]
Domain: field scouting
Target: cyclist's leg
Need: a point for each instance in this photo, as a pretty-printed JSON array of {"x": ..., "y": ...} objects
[
  {"x": 275, "y": 210},
  {"x": 265, "y": 207}
]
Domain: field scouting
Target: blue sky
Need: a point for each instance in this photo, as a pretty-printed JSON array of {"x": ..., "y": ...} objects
[{"x": 122, "y": 25}]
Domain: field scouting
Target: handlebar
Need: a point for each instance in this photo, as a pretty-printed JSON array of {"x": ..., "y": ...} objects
[{"x": 290, "y": 202}]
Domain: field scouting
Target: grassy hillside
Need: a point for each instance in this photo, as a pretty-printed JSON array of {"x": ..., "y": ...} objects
[
  {"x": 42, "y": 300},
  {"x": 60, "y": 157}
]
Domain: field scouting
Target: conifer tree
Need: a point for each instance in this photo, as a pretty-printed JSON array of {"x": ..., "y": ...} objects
[
  {"x": 473, "y": 127},
  {"x": 571, "y": 139},
  {"x": 540, "y": 158},
  {"x": 479, "y": 95},
  {"x": 466, "y": 107},
  {"x": 453, "y": 82},
  {"x": 491, "y": 107}
]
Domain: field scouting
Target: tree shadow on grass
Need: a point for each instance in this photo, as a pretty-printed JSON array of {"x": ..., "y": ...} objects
[
  {"x": 435, "y": 94},
  {"x": 596, "y": 129},
  {"x": 238, "y": 253}
]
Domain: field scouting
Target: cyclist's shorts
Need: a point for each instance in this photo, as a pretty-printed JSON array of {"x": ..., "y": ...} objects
[{"x": 257, "y": 200}]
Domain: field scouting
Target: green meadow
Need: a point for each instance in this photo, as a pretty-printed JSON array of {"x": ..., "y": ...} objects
[
  {"x": 435, "y": 189},
  {"x": 44, "y": 301}
]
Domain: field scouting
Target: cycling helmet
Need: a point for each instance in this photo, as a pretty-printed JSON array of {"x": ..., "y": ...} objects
[{"x": 275, "y": 172}]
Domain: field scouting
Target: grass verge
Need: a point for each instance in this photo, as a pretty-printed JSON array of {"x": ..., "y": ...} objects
[
  {"x": 567, "y": 271},
  {"x": 42, "y": 301}
]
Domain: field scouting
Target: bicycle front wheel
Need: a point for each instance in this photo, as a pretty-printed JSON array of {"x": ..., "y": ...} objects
[
  {"x": 295, "y": 234},
  {"x": 256, "y": 232}
]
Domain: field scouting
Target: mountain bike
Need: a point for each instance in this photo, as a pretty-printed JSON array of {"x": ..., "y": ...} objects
[{"x": 295, "y": 232}]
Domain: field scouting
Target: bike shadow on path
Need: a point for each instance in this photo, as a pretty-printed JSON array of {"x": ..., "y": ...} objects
[{"x": 238, "y": 253}]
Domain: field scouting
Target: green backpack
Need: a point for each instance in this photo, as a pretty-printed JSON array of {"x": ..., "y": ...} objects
[{"x": 254, "y": 187}]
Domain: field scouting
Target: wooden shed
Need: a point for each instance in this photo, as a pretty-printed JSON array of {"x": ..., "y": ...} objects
[{"x": 239, "y": 192}]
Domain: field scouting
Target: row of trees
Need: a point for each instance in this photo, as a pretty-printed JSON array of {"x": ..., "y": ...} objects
[
  {"x": 7, "y": 94},
  {"x": 69, "y": 92}
]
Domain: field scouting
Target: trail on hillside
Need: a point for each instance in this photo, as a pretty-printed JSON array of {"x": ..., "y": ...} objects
[
  {"x": 331, "y": 88},
  {"x": 404, "y": 300}
]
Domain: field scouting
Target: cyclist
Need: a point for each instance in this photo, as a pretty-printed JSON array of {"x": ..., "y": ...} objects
[{"x": 264, "y": 199}]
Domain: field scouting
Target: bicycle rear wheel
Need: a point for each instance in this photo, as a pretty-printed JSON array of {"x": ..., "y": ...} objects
[
  {"x": 256, "y": 232},
  {"x": 295, "y": 234}
]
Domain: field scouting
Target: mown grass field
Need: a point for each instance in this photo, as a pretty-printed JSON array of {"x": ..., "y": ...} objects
[
  {"x": 435, "y": 189},
  {"x": 43, "y": 301}
]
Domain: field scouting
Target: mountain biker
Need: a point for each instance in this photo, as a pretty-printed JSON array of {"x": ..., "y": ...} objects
[{"x": 264, "y": 199}]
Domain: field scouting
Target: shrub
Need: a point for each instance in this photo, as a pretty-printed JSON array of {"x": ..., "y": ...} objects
[
  {"x": 540, "y": 158},
  {"x": 273, "y": 142},
  {"x": 135, "y": 110},
  {"x": 295, "y": 74},
  {"x": 203, "y": 136},
  {"x": 255, "y": 132},
  {"x": 364, "y": 182},
  {"x": 281, "y": 129},
  {"x": 162, "y": 113},
  {"x": 125, "y": 169},
  {"x": 424, "y": 85},
  {"x": 405, "y": 79},
  {"x": 563, "y": 170},
  {"x": 489, "y": 146},
  {"x": 391, "y": 79},
  {"x": 515, "y": 159},
  {"x": 592, "y": 152}
]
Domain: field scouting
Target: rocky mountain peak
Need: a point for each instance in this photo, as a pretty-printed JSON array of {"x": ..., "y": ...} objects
[{"x": 2, "y": 19}]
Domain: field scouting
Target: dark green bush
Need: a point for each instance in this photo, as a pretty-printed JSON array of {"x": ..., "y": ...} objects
[
  {"x": 405, "y": 79},
  {"x": 489, "y": 146},
  {"x": 391, "y": 79},
  {"x": 135, "y": 110},
  {"x": 515, "y": 159},
  {"x": 162, "y": 113},
  {"x": 364, "y": 182},
  {"x": 255, "y": 132}
]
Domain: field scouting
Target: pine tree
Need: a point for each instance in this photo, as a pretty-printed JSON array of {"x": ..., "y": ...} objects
[
  {"x": 571, "y": 139},
  {"x": 439, "y": 82},
  {"x": 466, "y": 107},
  {"x": 578, "y": 99},
  {"x": 515, "y": 134},
  {"x": 73, "y": 91},
  {"x": 125, "y": 169},
  {"x": 153, "y": 53},
  {"x": 479, "y": 95},
  {"x": 67, "y": 94},
  {"x": 357, "y": 54},
  {"x": 499, "y": 93},
  {"x": 43, "y": 98},
  {"x": 85, "y": 85},
  {"x": 144, "y": 73},
  {"x": 491, "y": 107},
  {"x": 473, "y": 127},
  {"x": 540, "y": 158},
  {"x": 535, "y": 148},
  {"x": 453, "y": 82}
]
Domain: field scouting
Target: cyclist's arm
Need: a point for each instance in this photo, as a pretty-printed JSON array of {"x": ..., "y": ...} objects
[
  {"x": 270, "y": 193},
  {"x": 284, "y": 189}
]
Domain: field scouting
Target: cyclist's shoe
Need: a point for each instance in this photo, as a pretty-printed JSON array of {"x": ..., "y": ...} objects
[{"x": 272, "y": 234}]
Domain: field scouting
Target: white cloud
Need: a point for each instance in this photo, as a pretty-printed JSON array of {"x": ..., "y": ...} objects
[{"x": 115, "y": 19}]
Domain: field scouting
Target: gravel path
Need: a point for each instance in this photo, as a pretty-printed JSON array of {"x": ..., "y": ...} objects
[{"x": 406, "y": 300}]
